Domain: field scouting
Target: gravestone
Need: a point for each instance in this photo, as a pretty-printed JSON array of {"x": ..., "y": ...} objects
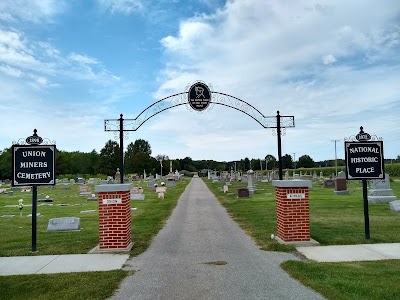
[
  {"x": 90, "y": 211},
  {"x": 250, "y": 182},
  {"x": 380, "y": 191},
  {"x": 342, "y": 174},
  {"x": 45, "y": 200},
  {"x": 321, "y": 175},
  {"x": 306, "y": 177},
  {"x": 171, "y": 183},
  {"x": 296, "y": 176},
  {"x": 243, "y": 193},
  {"x": 226, "y": 189},
  {"x": 65, "y": 187},
  {"x": 395, "y": 205},
  {"x": 64, "y": 224},
  {"x": 315, "y": 176},
  {"x": 8, "y": 216},
  {"x": 84, "y": 190},
  {"x": 137, "y": 193},
  {"x": 92, "y": 197},
  {"x": 329, "y": 183},
  {"x": 340, "y": 186}
]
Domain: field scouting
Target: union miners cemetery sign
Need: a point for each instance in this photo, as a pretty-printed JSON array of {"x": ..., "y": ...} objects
[{"x": 33, "y": 164}]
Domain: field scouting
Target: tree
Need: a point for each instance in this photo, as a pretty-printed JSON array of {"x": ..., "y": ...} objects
[
  {"x": 140, "y": 145},
  {"x": 137, "y": 157},
  {"x": 271, "y": 161},
  {"x": 287, "y": 162},
  {"x": 109, "y": 158},
  {"x": 305, "y": 161},
  {"x": 6, "y": 164}
]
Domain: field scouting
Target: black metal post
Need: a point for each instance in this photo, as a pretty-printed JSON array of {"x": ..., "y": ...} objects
[
  {"x": 34, "y": 217},
  {"x": 121, "y": 147},
  {"x": 366, "y": 213},
  {"x": 278, "y": 132}
]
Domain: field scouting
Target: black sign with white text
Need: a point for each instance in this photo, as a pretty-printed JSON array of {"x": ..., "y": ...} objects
[
  {"x": 364, "y": 160},
  {"x": 199, "y": 96},
  {"x": 33, "y": 165}
]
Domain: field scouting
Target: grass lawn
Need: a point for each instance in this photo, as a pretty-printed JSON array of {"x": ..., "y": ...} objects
[
  {"x": 15, "y": 240},
  {"x": 334, "y": 220},
  {"x": 90, "y": 285}
]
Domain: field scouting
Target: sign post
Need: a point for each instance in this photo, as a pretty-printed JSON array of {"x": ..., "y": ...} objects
[
  {"x": 33, "y": 165},
  {"x": 364, "y": 161}
]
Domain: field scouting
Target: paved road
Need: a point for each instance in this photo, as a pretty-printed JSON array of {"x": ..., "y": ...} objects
[{"x": 199, "y": 232}]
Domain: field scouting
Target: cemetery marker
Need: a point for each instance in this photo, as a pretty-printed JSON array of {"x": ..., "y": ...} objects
[
  {"x": 33, "y": 164},
  {"x": 364, "y": 160}
]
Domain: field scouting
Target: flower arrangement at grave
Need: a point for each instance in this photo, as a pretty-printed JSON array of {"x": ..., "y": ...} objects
[{"x": 20, "y": 204}]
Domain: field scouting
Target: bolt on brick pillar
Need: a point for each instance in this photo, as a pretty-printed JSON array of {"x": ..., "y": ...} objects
[
  {"x": 114, "y": 217},
  {"x": 292, "y": 210}
]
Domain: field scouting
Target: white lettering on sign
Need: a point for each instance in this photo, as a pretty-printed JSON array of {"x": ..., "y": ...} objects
[
  {"x": 365, "y": 170},
  {"x": 33, "y": 176},
  {"x": 296, "y": 196},
  {"x": 364, "y": 149},
  {"x": 354, "y": 160},
  {"x": 112, "y": 201}
]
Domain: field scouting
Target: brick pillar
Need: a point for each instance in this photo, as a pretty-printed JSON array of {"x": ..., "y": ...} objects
[
  {"x": 292, "y": 210},
  {"x": 114, "y": 216}
]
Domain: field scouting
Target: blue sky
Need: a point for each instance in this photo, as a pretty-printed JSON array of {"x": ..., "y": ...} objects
[{"x": 66, "y": 66}]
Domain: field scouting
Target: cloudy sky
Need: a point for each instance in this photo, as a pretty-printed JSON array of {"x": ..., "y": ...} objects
[{"x": 66, "y": 66}]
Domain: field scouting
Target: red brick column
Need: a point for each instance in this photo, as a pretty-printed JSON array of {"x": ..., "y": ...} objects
[
  {"x": 292, "y": 210},
  {"x": 114, "y": 216}
]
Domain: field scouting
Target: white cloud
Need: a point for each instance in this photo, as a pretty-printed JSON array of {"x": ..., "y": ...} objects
[
  {"x": 269, "y": 53},
  {"x": 30, "y": 10},
  {"x": 328, "y": 59},
  {"x": 83, "y": 59},
  {"x": 11, "y": 71},
  {"x": 125, "y": 7}
]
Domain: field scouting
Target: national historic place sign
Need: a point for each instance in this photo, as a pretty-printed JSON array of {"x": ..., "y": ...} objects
[
  {"x": 33, "y": 165},
  {"x": 364, "y": 159},
  {"x": 199, "y": 96}
]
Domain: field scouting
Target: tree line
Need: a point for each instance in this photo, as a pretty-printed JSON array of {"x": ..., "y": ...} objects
[{"x": 138, "y": 158}]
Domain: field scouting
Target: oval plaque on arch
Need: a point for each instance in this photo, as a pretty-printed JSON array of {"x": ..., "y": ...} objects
[{"x": 199, "y": 96}]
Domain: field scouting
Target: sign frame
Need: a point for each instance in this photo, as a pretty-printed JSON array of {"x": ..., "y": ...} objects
[
  {"x": 364, "y": 161},
  {"x": 50, "y": 165},
  {"x": 199, "y": 96}
]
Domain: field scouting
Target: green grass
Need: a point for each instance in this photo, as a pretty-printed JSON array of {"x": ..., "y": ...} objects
[
  {"x": 378, "y": 280},
  {"x": 15, "y": 240},
  {"x": 334, "y": 220},
  {"x": 91, "y": 285},
  {"x": 16, "y": 233}
]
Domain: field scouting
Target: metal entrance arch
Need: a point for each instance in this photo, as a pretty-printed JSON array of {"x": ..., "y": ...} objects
[{"x": 198, "y": 97}]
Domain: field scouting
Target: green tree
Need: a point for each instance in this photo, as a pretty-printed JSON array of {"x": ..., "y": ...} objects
[
  {"x": 109, "y": 158},
  {"x": 305, "y": 161},
  {"x": 6, "y": 164},
  {"x": 137, "y": 157},
  {"x": 287, "y": 162},
  {"x": 271, "y": 162}
]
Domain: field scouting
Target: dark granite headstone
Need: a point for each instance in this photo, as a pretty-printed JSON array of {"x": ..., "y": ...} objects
[
  {"x": 243, "y": 193},
  {"x": 329, "y": 183},
  {"x": 340, "y": 184}
]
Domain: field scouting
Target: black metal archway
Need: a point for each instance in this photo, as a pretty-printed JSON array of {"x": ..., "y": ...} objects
[{"x": 198, "y": 102}]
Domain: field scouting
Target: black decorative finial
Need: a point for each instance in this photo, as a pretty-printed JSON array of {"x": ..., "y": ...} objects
[
  {"x": 34, "y": 132},
  {"x": 361, "y": 129}
]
